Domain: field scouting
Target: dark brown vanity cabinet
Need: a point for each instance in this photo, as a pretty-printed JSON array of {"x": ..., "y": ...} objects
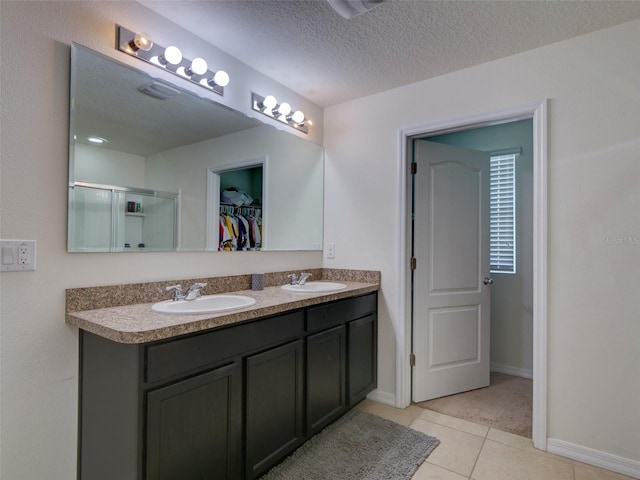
[
  {"x": 274, "y": 406},
  {"x": 361, "y": 358},
  {"x": 341, "y": 357},
  {"x": 227, "y": 403},
  {"x": 326, "y": 377},
  {"x": 193, "y": 426}
]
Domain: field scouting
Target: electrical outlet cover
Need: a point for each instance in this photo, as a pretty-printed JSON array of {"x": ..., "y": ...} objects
[{"x": 18, "y": 255}]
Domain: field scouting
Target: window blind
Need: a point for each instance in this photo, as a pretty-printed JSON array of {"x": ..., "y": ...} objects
[{"x": 502, "y": 192}]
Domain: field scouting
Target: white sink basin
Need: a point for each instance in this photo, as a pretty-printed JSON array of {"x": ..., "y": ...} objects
[
  {"x": 315, "y": 287},
  {"x": 204, "y": 304}
]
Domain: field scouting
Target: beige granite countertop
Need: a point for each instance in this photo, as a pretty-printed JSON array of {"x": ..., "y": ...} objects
[{"x": 139, "y": 324}]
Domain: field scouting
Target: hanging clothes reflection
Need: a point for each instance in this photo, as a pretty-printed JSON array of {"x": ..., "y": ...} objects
[{"x": 240, "y": 228}]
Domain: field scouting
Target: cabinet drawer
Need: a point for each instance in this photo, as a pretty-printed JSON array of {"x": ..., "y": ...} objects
[
  {"x": 177, "y": 357},
  {"x": 342, "y": 311}
]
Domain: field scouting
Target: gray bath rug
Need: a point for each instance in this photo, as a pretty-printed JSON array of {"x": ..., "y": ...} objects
[{"x": 359, "y": 446}]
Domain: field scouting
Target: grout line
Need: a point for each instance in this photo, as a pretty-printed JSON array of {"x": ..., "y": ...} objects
[
  {"x": 434, "y": 421},
  {"x": 478, "y": 456},
  {"x": 447, "y": 469}
]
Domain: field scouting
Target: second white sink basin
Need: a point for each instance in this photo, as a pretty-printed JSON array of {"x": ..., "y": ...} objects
[
  {"x": 204, "y": 304},
  {"x": 315, "y": 287}
]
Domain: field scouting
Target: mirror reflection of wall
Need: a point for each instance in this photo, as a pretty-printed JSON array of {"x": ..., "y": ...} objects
[
  {"x": 165, "y": 148},
  {"x": 292, "y": 185},
  {"x": 107, "y": 166}
]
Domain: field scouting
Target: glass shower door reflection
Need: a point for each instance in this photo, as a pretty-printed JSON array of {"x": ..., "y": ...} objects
[
  {"x": 101, "y": 219},
  {"x": 91, "y": 222}
]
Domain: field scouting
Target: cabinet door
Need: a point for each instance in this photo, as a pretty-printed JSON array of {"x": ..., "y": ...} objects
[
  {"x": 325, "y": 377},
  {"x": 274, "y": 403},
  {"x": 193, "y": 427},
  {"x": 362, "y": 353}
]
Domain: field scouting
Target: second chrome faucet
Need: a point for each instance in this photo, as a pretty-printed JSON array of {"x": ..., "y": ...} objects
[{"x": 301, "y": 280}]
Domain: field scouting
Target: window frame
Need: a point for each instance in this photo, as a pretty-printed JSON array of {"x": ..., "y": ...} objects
[{"x": 503, "y": 197}]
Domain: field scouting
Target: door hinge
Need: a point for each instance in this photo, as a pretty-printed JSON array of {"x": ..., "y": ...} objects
[
  {"x": 412, "y": 263},
  {"x": 414, "y": 168},
  {"x": 412, "y": 360}
]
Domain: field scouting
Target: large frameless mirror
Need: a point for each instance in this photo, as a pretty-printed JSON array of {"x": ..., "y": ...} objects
[{"x": 154, "y": 167}]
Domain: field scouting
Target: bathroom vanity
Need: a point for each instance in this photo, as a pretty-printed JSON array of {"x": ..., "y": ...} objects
[{"x": 226, "y": 401}]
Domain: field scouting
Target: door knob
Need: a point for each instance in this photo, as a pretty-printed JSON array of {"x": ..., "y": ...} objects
[{"x": 487, "y": 281}]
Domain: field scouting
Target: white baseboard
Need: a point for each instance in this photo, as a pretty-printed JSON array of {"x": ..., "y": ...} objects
[
  {"x": 509, "y": 370},
  {"x": 383, "y": 397},
  {"x": 593, "y": 457}
]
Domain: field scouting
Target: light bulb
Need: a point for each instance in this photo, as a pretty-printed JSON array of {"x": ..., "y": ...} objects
[
  {"x": 221, "y": 78},
  {"x": 198, "y": 67},
  {"x": 141, "y": 41},
  {"x": 269, "y": 102},
  {"x": 298, "y": 117},
  {"x": 284, "y": 109},
  {"x": 171, "y": 55}
]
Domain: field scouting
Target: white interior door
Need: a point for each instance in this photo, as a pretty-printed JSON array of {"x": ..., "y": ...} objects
[{"x": 451, "y": 246}]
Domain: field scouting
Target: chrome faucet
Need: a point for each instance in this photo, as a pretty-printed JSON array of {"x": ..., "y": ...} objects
[
  {"x": 177, "y": 292},
  {"x": 295, "y": 280},
  {"x": 303, "y": 278},
  {"x": 193, "y": 292}
]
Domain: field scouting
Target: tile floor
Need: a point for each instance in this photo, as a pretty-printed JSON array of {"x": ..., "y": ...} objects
[{"x": 471, "y": 451}]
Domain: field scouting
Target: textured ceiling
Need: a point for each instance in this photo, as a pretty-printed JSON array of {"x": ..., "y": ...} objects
[{"x": 308, "y": 47}]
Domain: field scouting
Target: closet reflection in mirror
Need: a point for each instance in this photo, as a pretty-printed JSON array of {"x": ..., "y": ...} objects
[
  {"x": 240, "y": 208},
  {"x": 154, "y": 183}
]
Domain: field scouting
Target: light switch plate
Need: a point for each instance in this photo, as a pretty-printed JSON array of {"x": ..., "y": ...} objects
[
  {"x": 17, "y": 255},
  {"x": 331, "y": 250}
]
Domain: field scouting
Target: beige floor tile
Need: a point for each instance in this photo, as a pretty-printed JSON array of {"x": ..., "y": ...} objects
[
  {"x": 587, "y": 472},
  {"x": 525, "y": 443},
  {"x": 510, "y": 439},
  {"x": 505, "y": 462},
  {"x": 428, "y": 471},
  {"x": 457, "y": 423},
  {"x": 402, "y": 416},
  {"x": 457, "y": 451}
]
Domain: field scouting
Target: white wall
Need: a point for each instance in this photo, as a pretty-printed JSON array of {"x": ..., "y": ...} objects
[
  {"x": 511, "y": 294},
  {"x": 594, "y": 192},
  {"x": 107, "y": 166},
  {"x": 38, "y": 352}
]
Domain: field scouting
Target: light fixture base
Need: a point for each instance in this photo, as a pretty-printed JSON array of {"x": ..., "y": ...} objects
[
  {"x": 153, "y": 55},
  {"x": 257, "y": 104}
]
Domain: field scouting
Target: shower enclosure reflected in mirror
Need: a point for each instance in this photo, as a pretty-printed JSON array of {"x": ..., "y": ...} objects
[{"x": 150, "y": 185}]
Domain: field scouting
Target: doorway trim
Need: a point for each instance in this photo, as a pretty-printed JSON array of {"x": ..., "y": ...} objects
[{"x": 538, "y": 112}]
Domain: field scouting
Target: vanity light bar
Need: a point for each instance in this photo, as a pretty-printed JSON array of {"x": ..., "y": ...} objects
[
  {"x": 283, "y": 112},
  {"x": 196, "y": 71}
]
